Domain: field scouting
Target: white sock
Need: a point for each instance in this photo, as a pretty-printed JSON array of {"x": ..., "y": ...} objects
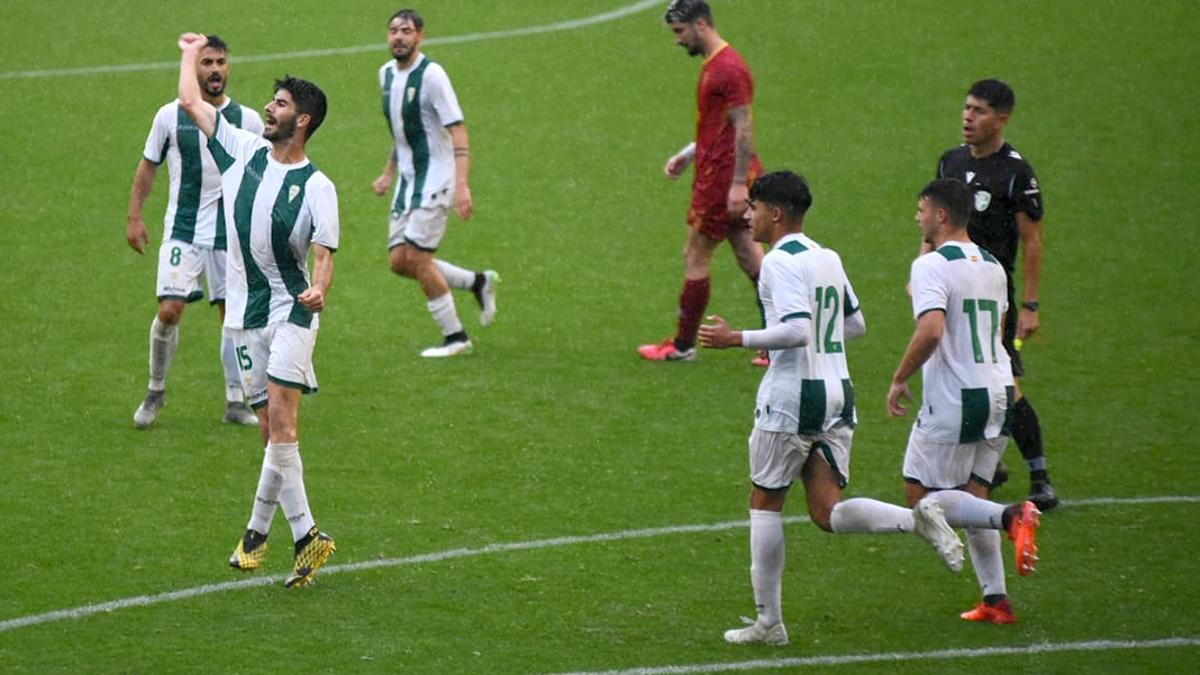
[
  {"x": 163, "y": 341},
  {"x": 456, "y": 276},
  {"x": 266, "y": 498},
  {"x": 964, "y": 509},
  {"x": 233, "y": 374},
  {"x": 984, "y": 545},
  {"x": 766, "y": 564},
  {"x": 445, "y": 315},
  {"x": 292, "y": 496},
  {"x": 870, "y": 516}
]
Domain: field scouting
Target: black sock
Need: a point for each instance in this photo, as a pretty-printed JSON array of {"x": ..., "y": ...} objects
[
  {"x": 1027, "y": 432},
  {"x": 480, "y": 281},
  {"x": 993, "y": 600},
  {"x": 460, "y": 336},
  {"x": 1006, "y": 518}
]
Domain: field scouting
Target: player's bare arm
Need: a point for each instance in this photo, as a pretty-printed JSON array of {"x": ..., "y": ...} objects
[
  {"x": 380, "y": 185},
  {"x": 930, "y": 328},
  {"x": 743, "y": 147},
  {"x": 135, "y": 227},
  {"x": 190, "y": 97},
  {"x": 1031, "y": 269},
  {"x": 313, "y": 297},
  {"x": 718, "y": 334},
  {"x": 680, "y": 161},
  {"x": 462, "y": 167}
]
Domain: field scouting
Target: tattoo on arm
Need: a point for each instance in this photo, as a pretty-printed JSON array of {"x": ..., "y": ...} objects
[{"x": 743, "y": 141}]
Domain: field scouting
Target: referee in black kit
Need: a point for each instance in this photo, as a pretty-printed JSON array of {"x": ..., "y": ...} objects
[{"x": 1008, "y": 210}]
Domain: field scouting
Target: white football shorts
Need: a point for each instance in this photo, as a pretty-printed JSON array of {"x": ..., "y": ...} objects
[
  {"x": 179, "y": 268},
  {"x": 281, "y": 353},
  {"x": 778, "y": 457},
  {"x": 950, "y": 465},
  {"x": 422, "y": 227}
]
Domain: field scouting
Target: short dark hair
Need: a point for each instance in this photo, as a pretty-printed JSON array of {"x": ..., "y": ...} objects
[
  {"x": 785, "y": 189},
  {"x": 409, "y": 15},
  {"x": 215, "y": 42},
  {"x": 688, "y": 11},
  {"x": 997, "y": 93},
  {"x": 309, "y": 99},
  {"x": 953, "y": 195}
]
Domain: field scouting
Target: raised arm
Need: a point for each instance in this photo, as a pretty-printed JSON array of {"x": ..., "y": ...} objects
[
  {"x": 201, "y": 112},
  {"x": 135, "y": 227}
]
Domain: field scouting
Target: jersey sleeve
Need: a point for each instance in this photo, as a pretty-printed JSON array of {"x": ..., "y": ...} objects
[
  {"x": 736, "y": 85},
  {"x": 229, "y": 144},
  {"x": 322, "y": 202},
  {"x": 929, "y": 291},
  {"x": 251, "y": 121},
  {"x": 1026, "y": 195},
  {"x": 789, "y": 288},
  {"x": 442, "y": 96},
  {"x": 159, "y": 139}
]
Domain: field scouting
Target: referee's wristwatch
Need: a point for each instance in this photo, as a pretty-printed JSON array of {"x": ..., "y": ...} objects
[{"x": 1031, "y": 305}]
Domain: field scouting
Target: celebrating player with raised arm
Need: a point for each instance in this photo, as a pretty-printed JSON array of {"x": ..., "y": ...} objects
[{"x": 278, "y": 209}]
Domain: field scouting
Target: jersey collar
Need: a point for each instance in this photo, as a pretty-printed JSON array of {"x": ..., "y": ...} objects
[{"x": 716, "y": 51}]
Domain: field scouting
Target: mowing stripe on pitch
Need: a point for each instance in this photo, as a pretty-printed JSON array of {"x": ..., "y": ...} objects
[
  {"x": 380, "y": 46},
  {"x": 186, "y": 593},
  {"x": 894, "y": 657}
]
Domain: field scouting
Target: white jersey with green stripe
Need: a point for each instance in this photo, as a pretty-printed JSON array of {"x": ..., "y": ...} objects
[
  {"x": 419, "y": 104},
  {"x": 967, "y": 384},
  {"x": 806, "y": 390},
  {"x": 193, "y": 208},
  {"x": 274, "y": 213}
]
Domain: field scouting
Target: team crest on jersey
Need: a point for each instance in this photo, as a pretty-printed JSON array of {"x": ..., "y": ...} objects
[
  {"x": 293, "y": 192},
  {"x": 410, "y": 94},
  {"x": 983, "y": 198}
]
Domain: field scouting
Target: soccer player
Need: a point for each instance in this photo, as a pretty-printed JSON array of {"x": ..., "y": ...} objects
[
  {"x": 194, "y": 229},
  {"x": 429, "y": 147},
  {"x": 959, "y": 299},
  {"x": 804, "y": 417},
  {"x": 725, "y": 167},
  {"x": 279, "y": 209},
  {"x": 1007, "y": 212}
]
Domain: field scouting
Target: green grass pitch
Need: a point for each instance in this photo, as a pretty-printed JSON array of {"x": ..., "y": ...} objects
[{"x": 553, "y": 427}]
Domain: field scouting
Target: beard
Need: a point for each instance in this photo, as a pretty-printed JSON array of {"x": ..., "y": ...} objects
[
  {"x": 402, "y": 52},
  {"x": 214, "y": 86},
  {"x": 694, "y": 50},
  {"x": 284, "y": 130}
]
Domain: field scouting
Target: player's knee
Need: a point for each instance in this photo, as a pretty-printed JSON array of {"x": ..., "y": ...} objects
[{"x": 170, "y": 312}]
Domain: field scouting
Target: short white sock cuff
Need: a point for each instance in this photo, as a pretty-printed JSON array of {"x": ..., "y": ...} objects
[
  {"x": 757, "y": 514},
  {"x": 283, "y": 455}
]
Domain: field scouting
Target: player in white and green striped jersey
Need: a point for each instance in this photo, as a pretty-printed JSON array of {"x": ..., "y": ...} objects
[
  {"x": 804, "y": 416},
  {"x": 279, "y": 208},
  {"x": 193, "y": 242},
  {"x": 959, "y": 297},
  {"x": 429, "y": 152}
]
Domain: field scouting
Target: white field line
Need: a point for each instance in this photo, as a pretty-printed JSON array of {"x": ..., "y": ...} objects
[
  {"x": 252, "y": 582},
  {"x": 895, "y": 657},
  {"x": 379, "y": 46}
]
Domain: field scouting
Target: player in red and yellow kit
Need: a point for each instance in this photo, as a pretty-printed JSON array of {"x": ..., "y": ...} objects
[{"x": 725, "y": 167}]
